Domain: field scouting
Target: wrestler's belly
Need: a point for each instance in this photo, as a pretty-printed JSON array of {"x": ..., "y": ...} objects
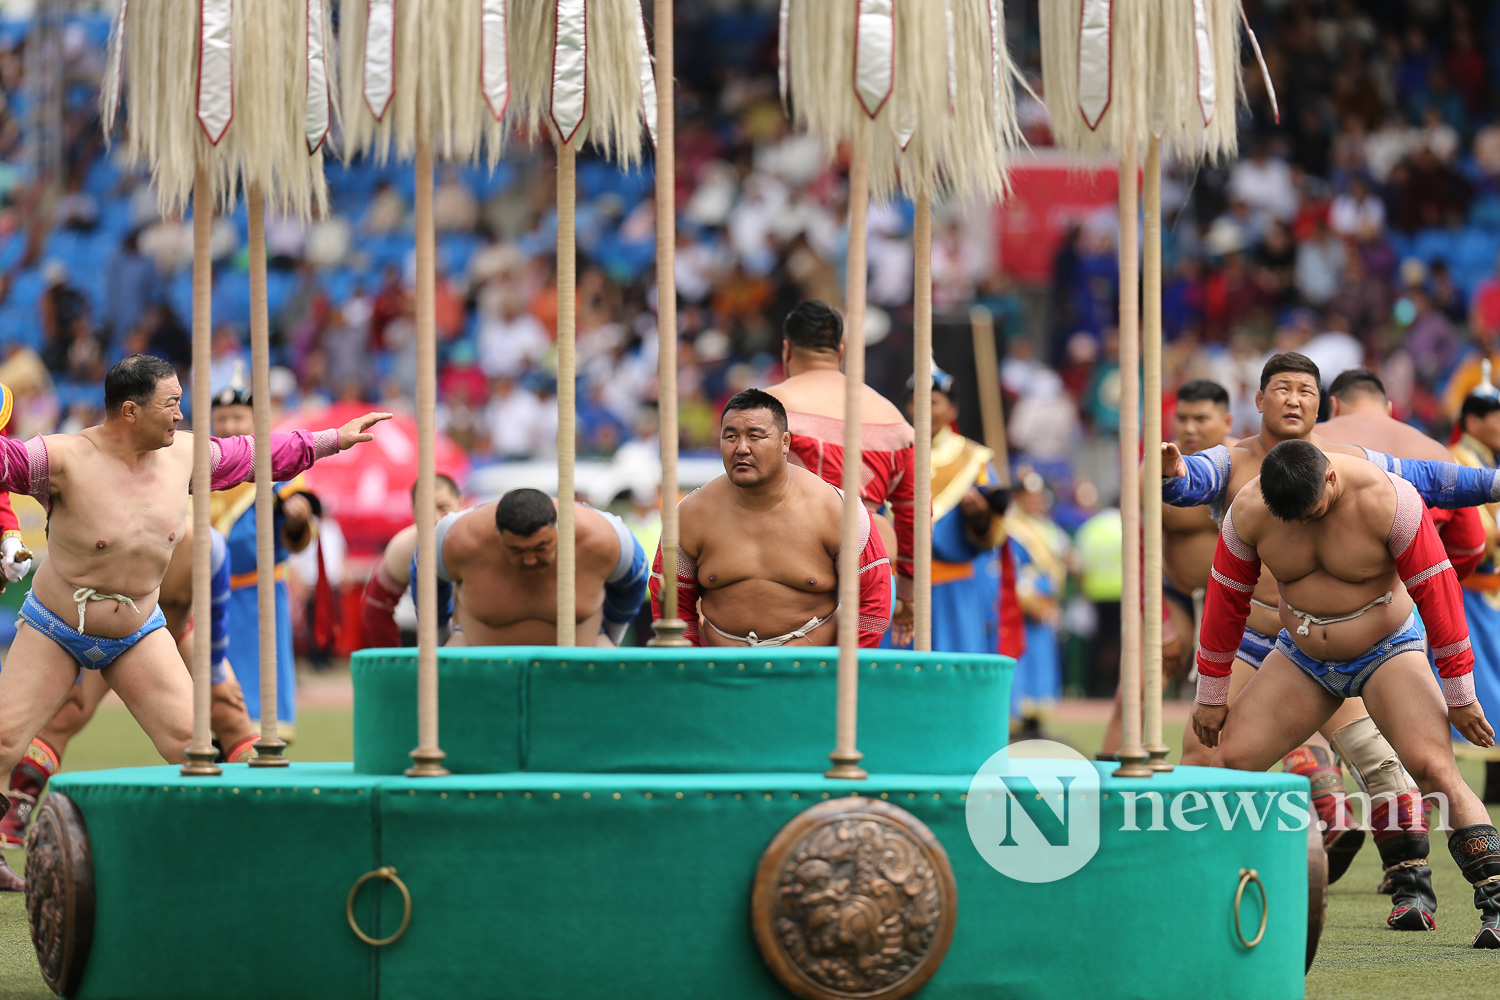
[
  {"x": 1343, "y": 640},
  {"x": 768, "y": 609},
  {"x": 1187, "y": 558},
  {"x": 523, "y": 632},
  {"x": 108, "y": 619}
]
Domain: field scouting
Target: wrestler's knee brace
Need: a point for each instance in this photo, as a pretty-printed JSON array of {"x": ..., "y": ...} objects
[
  {"x": 27, "y": 782},
  {"x": 1396, "y": 818}
]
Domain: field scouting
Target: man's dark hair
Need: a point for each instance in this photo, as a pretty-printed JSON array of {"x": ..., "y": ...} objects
[
  {"x": 1203, "y": 391},
  {"x": 134, "y": 379},
  {"x": 814, "y": 326},
  {"x": 1291, "y": 478},
  {"x": 1477, "y": 404},
  {"x": 524, "y": 512},
  {"x": 756, "y": 399},
  {"x": 1291, "y": 361},
  {"x": 439, "y": 477},
  {"x": 1358, "y": 382}
]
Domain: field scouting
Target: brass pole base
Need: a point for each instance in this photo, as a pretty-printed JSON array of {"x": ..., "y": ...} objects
[
  {"x": 846, "y": 766},
  {"x": 429, "y": 763},
  {"x": 268, "y": 753},
  {"x": 1132, "y": 764},
  {"x": 1157, "y": 757},
  {"x": 200, "y": 763},
  {"x": 669, "y": 633}
]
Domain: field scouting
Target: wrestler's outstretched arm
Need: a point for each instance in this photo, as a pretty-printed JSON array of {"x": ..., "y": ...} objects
[
  {"x": 1433, "y": 585},
  {"x": 1443, "y": 484},
  {"x": 625, "y": 588},
  {"x": 1194, "y": 480},
  {"x": 1236, "y": 569},
  {"x": 233, "y": 458}
]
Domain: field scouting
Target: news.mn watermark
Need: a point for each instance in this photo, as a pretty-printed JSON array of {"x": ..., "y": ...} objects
[{"x": 1034, "y": 811}]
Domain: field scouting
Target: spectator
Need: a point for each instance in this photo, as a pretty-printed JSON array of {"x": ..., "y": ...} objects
[
  {"x": 1357, "y": 211},
  {"x": 511, "y": 341},
  {"x": 130, "y": 286},
  {"x": 1320, "y": 265}
]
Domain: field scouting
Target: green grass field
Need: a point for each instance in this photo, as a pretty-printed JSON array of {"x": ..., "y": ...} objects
[{"x": 1359, "y": 957}]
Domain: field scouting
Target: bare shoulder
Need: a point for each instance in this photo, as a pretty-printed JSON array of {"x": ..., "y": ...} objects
[
  {"x": 879, "y": 410},
  {"x": 816, "y": 497},
  {"x": 1249, "y": 512},
  {"x": 1335, "y": 447},
  {"x": 596, "y": 533},
  {"x": 398, "y": 552}
]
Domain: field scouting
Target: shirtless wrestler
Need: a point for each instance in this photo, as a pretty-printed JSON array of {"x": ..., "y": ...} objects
[
  {"x": 812, "y": 355},
  {"x": 393, "y": 571},
  {"x": 1362, "y": 416},
  {"x": 758, "y": 561},
  {"x": 1355, "y": 557},
  {"x": 117, "y": 501},
  {"x": 229, "y": 721},
  {"x": 1288, "y": 401},
  {"x": 501, "y": 560}
]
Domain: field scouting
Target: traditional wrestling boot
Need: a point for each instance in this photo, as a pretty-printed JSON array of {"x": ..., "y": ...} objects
[
  {"x": 241, "y": 752},
  {"x": 1403, "y": 845},
  {"x": 27, "y": 782},
  {"x": 1342, "y": 836},
  {"x": 1477, "y": 850},
  {"x": 9, "y": 880}
]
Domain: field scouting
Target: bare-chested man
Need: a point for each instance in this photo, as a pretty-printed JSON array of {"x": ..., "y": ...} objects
[
  {"x": 117, "y": 501},
  {"x": 1288, "y": 401},
  {"x": 230, "y": 722},
  {"x": 758, "y": 562},
  {"x": 812, "y": 355},
  {"x": 501, "y": 559},
  {"x": 393, "y": 571},
  {"x": 1355, "y": 557}
]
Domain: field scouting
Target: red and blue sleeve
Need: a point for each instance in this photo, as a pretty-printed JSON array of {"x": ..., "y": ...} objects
[{"x": 1236, "y": 570}]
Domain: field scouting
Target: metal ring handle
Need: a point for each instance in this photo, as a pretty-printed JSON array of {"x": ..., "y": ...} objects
[
  {"x": 388, "y": 874},
  {"x": 1247, "y": 875}
]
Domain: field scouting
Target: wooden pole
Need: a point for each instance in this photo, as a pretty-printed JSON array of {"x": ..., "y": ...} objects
[
  {"x": 428, "y": 756},
  {"x": 1156, "y": 749},
  {"x": 671, "y": 626},
  {"x": 987, "y": 379},
  {"x": 922, "y": 413},
  {"x": 567, "y": 265},
  {"x": 1132, "y": 756},
  {"x": 200, "y": 756},
  {"x": 846, "y": 756},
  {"x": 268, "y": 748}
]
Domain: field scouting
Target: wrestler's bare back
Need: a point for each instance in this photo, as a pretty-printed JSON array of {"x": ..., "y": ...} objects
[
  {"x": 767, "y": 570},
  {"x": 821, "y": 392},
  {"x": 499, "y": 604},
  {"x": 1334, "y": 564},
  {"x": 113, "y": 525}
]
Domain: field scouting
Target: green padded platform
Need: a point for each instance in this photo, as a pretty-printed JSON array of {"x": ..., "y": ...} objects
[
  {"x": 682, "y": 710},
  {"x": 540, "y": 885}
]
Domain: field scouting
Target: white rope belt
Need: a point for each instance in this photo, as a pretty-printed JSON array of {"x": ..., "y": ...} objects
[
  {"x": 1263, "y": 604},
  {"x": 83, "y": 595},
  {"x": 781, "y": 640},
  {"x": 1308, "y": 619}
]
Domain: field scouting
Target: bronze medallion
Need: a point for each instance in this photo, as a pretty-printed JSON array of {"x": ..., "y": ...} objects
[
  {"x": 1317, "y": 891},
  {"x": 854, "y": 898},
  {"x": 60, "y": 892}
]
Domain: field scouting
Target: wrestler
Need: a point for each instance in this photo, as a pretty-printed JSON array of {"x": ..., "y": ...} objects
[
  {"x": 117, "y": 500},
  {"x": 500, "y": 558},
  {"x": 393, "y": 571},
  {"x": 1355, "y": 557},
  {"x": 1288, "y": 401},
  {"x": 812, "y": 355},
  {"x": 1188, "y": 533},
  {"x": 1362, "y": 416},
  {"x": 228, "y": 719},
  {"x": 758, "y": 557}
]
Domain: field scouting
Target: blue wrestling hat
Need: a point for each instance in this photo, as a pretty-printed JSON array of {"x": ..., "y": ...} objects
[{"x": 941, "y": 381}]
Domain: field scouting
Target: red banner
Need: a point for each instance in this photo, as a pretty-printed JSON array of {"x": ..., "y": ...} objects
[{"x": 1049, "y": 191}]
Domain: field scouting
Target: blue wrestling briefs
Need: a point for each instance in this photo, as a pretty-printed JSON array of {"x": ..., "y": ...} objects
[
  {"x": 1255, "y": 647},
  {"x": 91, "y": 652},
  {"x": 1346, "y": 678}
]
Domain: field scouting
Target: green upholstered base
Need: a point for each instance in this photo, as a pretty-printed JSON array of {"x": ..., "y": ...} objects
[
  {"x": 539, "y": 885},
  {"x": 680, "y": 710}
]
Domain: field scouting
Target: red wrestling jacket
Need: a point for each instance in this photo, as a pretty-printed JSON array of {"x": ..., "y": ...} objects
[
  {"x": 1462, "y": 532},
  {"x": 1425, "y": 570},
  {"x": 9, "y": 525},
  {"x": 889, "y": 455},
  {"x": 874, "y": 589},
  {"x": 377, "y": 611}
]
